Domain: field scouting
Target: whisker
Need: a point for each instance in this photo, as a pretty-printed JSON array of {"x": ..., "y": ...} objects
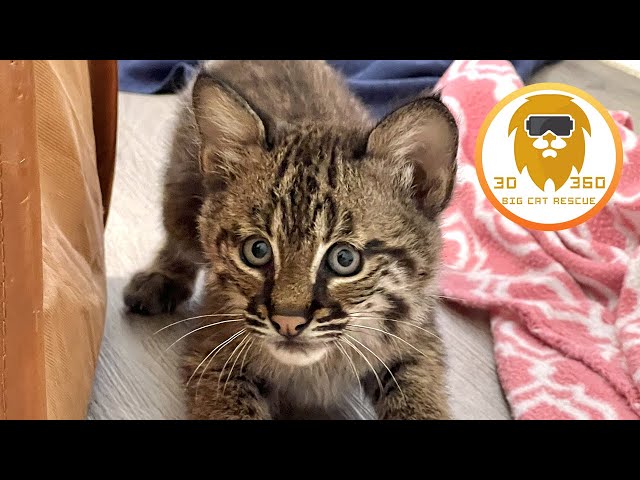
[
  {"x": 404, "y": 398},
  {"x": 353, "y": 365},
  {"x": 327, "y": 335},
  {"x": 325, "y": 367},
  {"x": 439, "y": 296},
  {"x": 403, "y": 322},
  {"x": 201, "y": 328},
  {"x": 213, "y": 352},
  {"x": 446, "y": 297},
  {"x": 256, "y": 332},
  {"x": 211, "y": 359},
  {"x": 217, "y": 350},
  {"x": 241, "y": 344},
  {"x": 255, "y": 317},
  {"x": 366, "y": 360},
  {"x": 195, "y": 318},
  {"x": 371, "y": 334},
  {"x": 245, "y": 355},
  {"x": 331, "y": 327},
  {"x": 391, "y": 335}
]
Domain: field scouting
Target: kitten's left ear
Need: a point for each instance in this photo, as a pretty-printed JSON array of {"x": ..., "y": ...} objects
[{"x": 419, "y": 141}]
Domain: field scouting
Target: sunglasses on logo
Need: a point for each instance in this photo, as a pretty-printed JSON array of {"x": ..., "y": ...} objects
[{"x": 559, "y": 125}]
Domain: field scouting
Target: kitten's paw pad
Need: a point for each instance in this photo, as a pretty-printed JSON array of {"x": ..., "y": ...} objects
[{"x": 151, "y": 293}]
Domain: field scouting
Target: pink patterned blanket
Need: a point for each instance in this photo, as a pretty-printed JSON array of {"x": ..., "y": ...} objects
[{"x": 564, "y": 306}]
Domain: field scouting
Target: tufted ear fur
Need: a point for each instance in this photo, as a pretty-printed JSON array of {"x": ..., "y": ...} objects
[
  {"x": 419, "y": 142},
  {"x": 230, "y": 129}
]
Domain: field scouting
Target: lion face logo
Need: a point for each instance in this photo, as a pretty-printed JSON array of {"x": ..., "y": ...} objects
[{"x": 549, "y": 138}]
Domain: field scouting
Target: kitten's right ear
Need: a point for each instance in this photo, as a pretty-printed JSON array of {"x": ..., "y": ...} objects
[{"x": 229, "y": 127}]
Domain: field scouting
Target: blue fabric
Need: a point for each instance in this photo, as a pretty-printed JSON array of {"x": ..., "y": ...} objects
[
  {"x": 379, "y": 83},
  {"x": 154, "y": 76}
]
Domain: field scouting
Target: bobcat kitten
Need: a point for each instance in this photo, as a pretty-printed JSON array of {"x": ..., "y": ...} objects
[{"x": 318, "y": 231}]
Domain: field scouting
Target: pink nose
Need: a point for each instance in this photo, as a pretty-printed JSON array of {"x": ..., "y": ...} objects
[{"x": 288, "y": 326}]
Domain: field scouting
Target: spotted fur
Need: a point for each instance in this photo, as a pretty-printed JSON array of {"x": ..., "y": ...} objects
[{"x": 283, "y": 150}]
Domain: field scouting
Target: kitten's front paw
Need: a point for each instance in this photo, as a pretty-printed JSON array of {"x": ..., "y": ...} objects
[{"x": 151, "y": 293}]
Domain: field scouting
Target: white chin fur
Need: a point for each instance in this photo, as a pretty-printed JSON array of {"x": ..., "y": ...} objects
[{"x": 298, "y": 359}]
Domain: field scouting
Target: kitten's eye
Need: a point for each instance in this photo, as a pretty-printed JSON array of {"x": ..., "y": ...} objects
[
  {"x": 344, "y": 260},
  {"x": 256, "y": 252}
]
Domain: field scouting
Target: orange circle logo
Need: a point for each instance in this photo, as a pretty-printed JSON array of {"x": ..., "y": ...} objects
[{"x": 549, "y": 156}]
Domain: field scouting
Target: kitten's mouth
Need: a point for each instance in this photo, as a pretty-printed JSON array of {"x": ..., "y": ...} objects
[
  {"x": 296, "y": 352},
  {"x": 294, "y": 345}
]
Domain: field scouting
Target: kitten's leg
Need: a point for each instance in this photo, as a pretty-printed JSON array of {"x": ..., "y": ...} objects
[
  {"x": 166, "y": 284},
  {"x": 225, "y": 389},
  {"x": 425, "y": 396},
  {"x": 170, "y": 279},
  {"x": 240, "y": 401}
]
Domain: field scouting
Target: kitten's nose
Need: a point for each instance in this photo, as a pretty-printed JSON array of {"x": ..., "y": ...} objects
[{"x": 288, "y": 326}]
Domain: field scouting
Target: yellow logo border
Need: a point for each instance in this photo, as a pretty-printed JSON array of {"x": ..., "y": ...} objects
[{"x": 536, "y": 88}]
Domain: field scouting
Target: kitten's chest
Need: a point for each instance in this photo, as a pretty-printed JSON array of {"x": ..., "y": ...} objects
[{"x": 317, "y": 398}]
